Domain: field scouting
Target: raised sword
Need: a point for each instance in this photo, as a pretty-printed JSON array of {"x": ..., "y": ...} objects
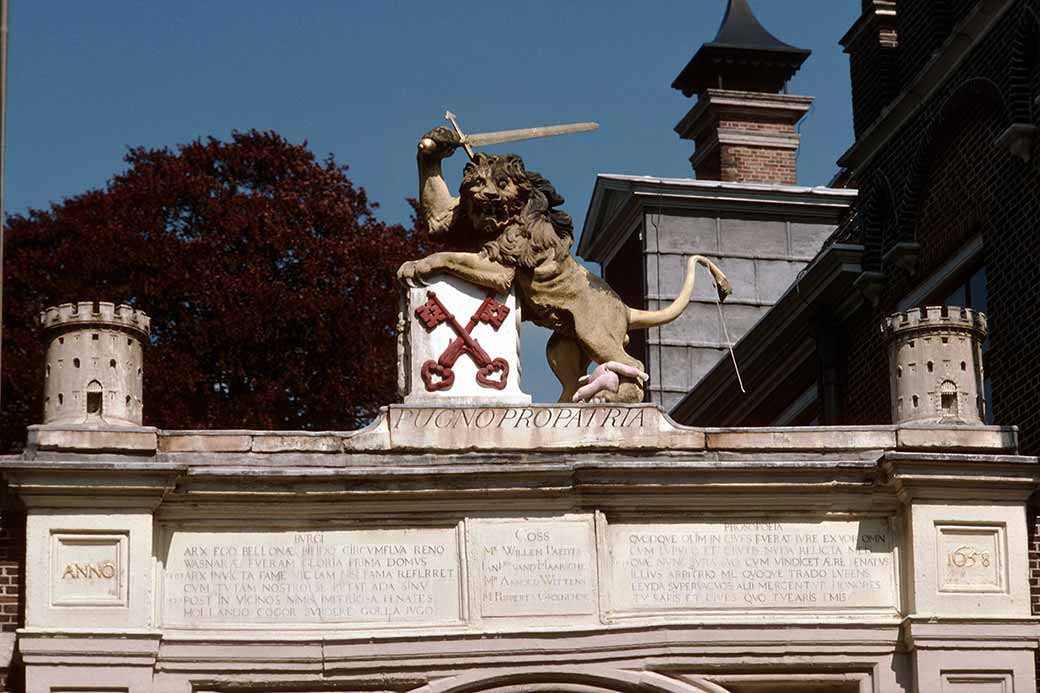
[{"x": 468, "y": 142}]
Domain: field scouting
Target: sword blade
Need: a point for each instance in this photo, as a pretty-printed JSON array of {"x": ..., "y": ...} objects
[{"x": 486, "y": 138}]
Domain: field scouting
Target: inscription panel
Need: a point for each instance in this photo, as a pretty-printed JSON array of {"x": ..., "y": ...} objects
[
  {"x": 971, "y": 558},
  {"x": 545, "y": 427},
  {"x": 534, "y": 567},
  {"x": 343, "y": 577},
  {"x": 575, "y": 418},
  {"x": 88, "y": 569},
  {"x": 755, "y": 565}
]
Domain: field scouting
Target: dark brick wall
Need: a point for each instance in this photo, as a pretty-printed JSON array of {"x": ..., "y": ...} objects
[
  {"x": 921, "y": 30},
  {"x": 955, "y": 204},
  {"x": 951, "y": 182},
  {"x": 12, "y": 563},
  {"x": 12, "y": 587},
  {"x": 923, "y": 25},
  {"x": 870, "y": 72},
  {"x": 749, "y": 164},
  {"x": 1034, "y": 562},
  {"x": 758, "y": 165},
  {"x": 960, "y": 8},
  {"x": 873, "y": 70},
  {"x": 888, "y": 56}
]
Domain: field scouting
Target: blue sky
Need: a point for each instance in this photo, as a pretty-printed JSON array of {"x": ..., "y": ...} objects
[{"x": 363, "y": 79}]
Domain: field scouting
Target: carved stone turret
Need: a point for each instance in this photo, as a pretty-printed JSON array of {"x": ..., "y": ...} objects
[
  {"x": 93, "y": 372},
  {"x": 935, "y": 359}
]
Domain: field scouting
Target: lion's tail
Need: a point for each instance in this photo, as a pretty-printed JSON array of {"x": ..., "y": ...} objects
[{"x": 642, "y": 319}]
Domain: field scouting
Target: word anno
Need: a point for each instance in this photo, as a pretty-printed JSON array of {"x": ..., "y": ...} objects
[{"x": 90, "y": 571}]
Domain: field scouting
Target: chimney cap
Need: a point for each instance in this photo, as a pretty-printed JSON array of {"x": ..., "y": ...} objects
[{"x": 743, "y": 56}]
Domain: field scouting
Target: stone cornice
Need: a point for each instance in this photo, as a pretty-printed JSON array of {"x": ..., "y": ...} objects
[
  {"x": 754, "y": 139},
  {"x": 618, "y": 203},
  {"x": 92, "y": 647},
  {"x": 402, "y": 434},
  {"x": 374, "y": 651},
  {"x": 141, "y": 440},
  {"x": 722, "y": 103},
  {"x": 743, "y": 138},
  {"x": 91, "y": 484},
  {"x": 960, "y": 477},
  {"x": 941, "y": 633},
  {"x": 879, "y": 11},
  {"x": 640, "y": 429},
  {"x": 717, "y": 468}
]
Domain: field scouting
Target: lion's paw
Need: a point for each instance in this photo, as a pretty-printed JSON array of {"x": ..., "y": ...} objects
[{"x": 414, "y": 272}]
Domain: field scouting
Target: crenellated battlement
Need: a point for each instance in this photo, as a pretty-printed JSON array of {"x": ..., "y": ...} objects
[
  {"x": 86, "y": 313},
  {"x": 95, "y": 362},
  {"x": 935, "y": 357},
  {"x": 935, "y": 317}
]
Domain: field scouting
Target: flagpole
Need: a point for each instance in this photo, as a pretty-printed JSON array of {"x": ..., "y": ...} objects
[{"x": 3, "y": 156}]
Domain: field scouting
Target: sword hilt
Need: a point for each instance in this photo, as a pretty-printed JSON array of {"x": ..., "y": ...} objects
[{"x": 449, "y": 116}]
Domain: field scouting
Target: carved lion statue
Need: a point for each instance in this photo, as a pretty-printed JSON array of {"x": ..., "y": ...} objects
[{"x": 507, "y": 231}]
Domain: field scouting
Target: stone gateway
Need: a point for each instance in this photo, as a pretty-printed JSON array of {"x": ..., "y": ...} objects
[
  {"x": 470, "y": 541},
  {"x": 503, "y": 548}
]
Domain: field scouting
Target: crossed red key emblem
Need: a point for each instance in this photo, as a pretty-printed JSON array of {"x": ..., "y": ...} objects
[{"x": 438, "y": 375}]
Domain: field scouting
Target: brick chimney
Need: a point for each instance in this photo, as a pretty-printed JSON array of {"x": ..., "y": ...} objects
[
  {"x": 743, "y": 124},
  {"x": 873, "y": 47}
]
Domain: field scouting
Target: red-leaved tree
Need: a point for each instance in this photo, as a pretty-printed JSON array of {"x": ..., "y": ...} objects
[{"x": 270, "y": 285}]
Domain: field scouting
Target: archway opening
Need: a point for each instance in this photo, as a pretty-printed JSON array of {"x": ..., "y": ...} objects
[{"x": 95, "y": 398}]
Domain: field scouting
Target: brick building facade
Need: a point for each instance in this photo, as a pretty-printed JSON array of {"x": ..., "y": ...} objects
[
  {"x": 12, "y": 589},
  {"x": 945, "y": 98},
  {"x": 964, "y": 185},
  {"x": 945, "y": 190}
]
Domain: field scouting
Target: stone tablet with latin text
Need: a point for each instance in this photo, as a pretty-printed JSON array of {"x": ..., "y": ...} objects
[
  {"x": 752, "y": 565},
  {"x": 534, "y": 567},
  {"x": 391, "y": 576}
]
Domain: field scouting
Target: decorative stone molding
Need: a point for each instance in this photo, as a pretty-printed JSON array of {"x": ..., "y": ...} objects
[
  {"x": 870, "y": 285},
  {"x": 89, "y": 438},
  {"x": 904, "y": 255},
  {"x": 955, "y": 477},
  {"x": 559, "y": 427},
  {"x": 1018, "y": 140},
  {"x": 570, "y": 679},
  {"x": 93, "y": 485},
  {"x": 877, "y": 22}
]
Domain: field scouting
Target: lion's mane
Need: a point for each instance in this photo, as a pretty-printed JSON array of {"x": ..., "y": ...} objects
[{"x": 540, "y": 231}]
